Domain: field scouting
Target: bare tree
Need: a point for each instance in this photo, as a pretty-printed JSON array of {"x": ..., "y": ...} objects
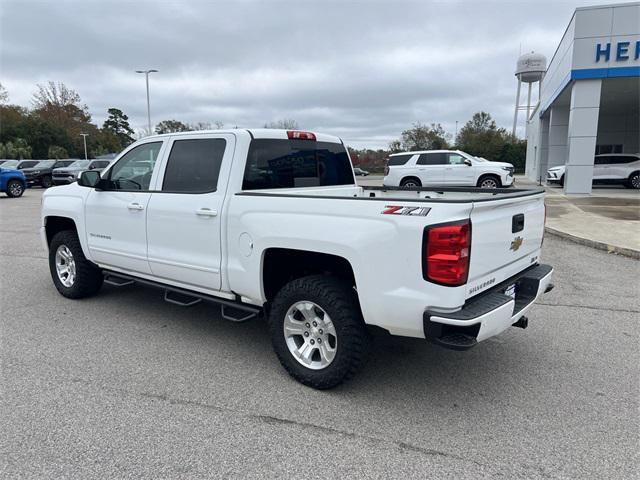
[
  {"x": 285, "y": 124},
  {"x": 56, "y": 95},
  {"x": 4, "y": 95}
]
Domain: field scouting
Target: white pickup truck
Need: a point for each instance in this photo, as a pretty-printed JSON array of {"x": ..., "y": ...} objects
[{"x": 272, "y": 222}]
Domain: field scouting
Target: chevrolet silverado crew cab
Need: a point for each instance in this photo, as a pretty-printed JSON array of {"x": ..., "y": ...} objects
[
  {"x": 272, "y": 222},
  {"x": 445, "y": 167}
]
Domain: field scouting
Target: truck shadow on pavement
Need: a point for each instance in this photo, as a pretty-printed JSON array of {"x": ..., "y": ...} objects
[{"x": 397, "y": 366}]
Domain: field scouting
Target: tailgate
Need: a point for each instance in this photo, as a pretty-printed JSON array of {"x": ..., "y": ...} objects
[{"x": 506, "y": 236}]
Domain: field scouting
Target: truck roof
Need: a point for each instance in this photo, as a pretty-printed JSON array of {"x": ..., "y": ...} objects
[{"x": 262, "y": 133}]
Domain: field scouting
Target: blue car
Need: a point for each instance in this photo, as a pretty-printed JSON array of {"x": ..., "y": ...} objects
[{"x": 12, "y": 182}]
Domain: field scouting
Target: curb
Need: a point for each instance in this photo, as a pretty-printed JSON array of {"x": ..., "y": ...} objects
[{"x": 627, "y": 252}]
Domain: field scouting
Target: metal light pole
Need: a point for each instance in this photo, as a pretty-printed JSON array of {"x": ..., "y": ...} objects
[
  {"x": 146, "y": 76},
  {"x": 455, "y": 140},
  {"x": 84, "y": 139}
]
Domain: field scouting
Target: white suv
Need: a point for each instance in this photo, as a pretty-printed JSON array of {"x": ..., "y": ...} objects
[
  {"x": 620, "y": 168},
  {"x": 445, "y": 167}
]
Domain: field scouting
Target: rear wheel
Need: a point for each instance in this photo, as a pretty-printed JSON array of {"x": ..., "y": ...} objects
[
  {"x": 633, "y": 181},
  {"x": 410, "y": 182},
  {"x": 317, "y": 330},
  {"x": 15, "y": 188},
  {"x": 489, "y": 181},
  {"x": 73, "y": 275},
  {"x": 46, "y": 182}
]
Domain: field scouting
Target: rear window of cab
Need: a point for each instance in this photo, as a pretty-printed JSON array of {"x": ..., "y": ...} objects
[{"x": 275, "y": 163}]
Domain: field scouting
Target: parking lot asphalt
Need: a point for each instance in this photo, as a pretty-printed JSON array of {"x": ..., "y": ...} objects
[{"x": 124, "y": 385}]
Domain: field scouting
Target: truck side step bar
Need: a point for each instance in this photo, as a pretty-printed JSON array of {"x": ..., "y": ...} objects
[
  {"x": 117, "y": 281},
  {"x": 181, "y": 299},
  {"x": 236, "y": 315},
  {"x": 231, "y": 310}
]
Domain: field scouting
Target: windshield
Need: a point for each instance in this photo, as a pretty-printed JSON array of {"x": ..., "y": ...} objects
[
  {"x": 80, "y": 164},
  {"x": 45, "y": 164},
  {"x": 10, "y": 164}
]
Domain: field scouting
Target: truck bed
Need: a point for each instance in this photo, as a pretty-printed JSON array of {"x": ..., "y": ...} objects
[{"x": 440, "y": 194}]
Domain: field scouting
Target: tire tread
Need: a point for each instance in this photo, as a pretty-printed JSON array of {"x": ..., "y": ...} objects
[
  {"x": 347, "y": 318},
  {"x": 89, "y": 278}
]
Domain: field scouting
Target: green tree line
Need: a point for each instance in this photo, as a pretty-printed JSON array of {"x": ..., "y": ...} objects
[{"x": 51, "y": 128}]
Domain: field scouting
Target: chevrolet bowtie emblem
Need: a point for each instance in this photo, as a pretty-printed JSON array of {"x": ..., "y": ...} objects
[{"x": 515, "y": 244}]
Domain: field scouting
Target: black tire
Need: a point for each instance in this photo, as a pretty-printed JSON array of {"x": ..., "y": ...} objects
[
  {"x": 562, "y": 181},
  {"x": 88, "y": 277},
  {"x": 487, "y": 178},
  {"x": 46, "y": 181},
  {"x": 633, "y": 181},
  {"x": 411, "y": 182},
  {"x": 15, "y": 188},
  {"x": 340, "y": 302}
]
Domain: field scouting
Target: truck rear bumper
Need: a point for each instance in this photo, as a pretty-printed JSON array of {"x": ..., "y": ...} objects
[{"x": 489, "y": 313}]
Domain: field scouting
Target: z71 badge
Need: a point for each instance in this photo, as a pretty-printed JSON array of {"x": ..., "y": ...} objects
[{"x": 411, "y": 211}]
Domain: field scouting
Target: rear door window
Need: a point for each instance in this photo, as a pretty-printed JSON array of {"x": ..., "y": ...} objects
[
  {"x": 194, "y": 165},
  {"x": 433, "y": 159},
  {"x": 396, "y": 160},
  {"x": 274, "y": 163}
]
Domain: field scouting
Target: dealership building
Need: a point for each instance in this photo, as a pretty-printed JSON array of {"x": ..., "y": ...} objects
[{"x": 589, "y": 96}]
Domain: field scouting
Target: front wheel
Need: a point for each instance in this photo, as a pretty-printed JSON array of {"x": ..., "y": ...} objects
[
  {"x": 46, "y": 182},
  {"x": 317, "y": 330},
  {"x": 15, "y": 188},
  {"x": 489, "y": 182},
  {"x": 73, "y": 275},
  {"x": 634, "y": 181}
]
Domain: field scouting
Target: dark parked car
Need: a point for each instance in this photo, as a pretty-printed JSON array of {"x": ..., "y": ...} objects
[
  {"x": 71, "y": 173},
  {"x": 359, "y": 171},
  {"x": 26, "y": 164},
  {"x": 42, "y": 172}
]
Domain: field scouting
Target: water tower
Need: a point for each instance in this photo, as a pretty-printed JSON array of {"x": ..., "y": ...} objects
[{"x": 530, "y": 68}]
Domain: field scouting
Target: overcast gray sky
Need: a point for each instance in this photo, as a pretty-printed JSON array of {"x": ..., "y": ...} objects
[{"x": 363, "y": 70}]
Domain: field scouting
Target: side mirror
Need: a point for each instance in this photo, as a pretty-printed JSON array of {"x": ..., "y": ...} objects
[
  {"x": 467, "y": 162},
  {"x": 90, "y": 179}
]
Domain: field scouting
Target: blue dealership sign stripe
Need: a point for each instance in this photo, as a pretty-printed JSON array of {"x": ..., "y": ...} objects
[{"x": 605, "y": 73}]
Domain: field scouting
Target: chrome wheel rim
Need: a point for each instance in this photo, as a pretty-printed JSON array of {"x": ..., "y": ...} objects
[
  {"x": 65, "y": 266},
  {"x": 410, "y": 184},
  {"x": 489, "y": 183},
  {"x": 16, "y": 189},
  {"x": 310, "y": 335},
  {"x": 635, "y": 181}
]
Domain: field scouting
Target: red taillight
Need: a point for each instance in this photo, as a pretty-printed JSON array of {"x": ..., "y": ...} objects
[
  {"x": 298, "y": 135},
  {"x": 446, "y": 253}
]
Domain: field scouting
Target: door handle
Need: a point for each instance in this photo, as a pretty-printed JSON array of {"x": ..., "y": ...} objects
[
  {"x": 135, "y": 206},
  {"x": 206, "y": 212}
]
